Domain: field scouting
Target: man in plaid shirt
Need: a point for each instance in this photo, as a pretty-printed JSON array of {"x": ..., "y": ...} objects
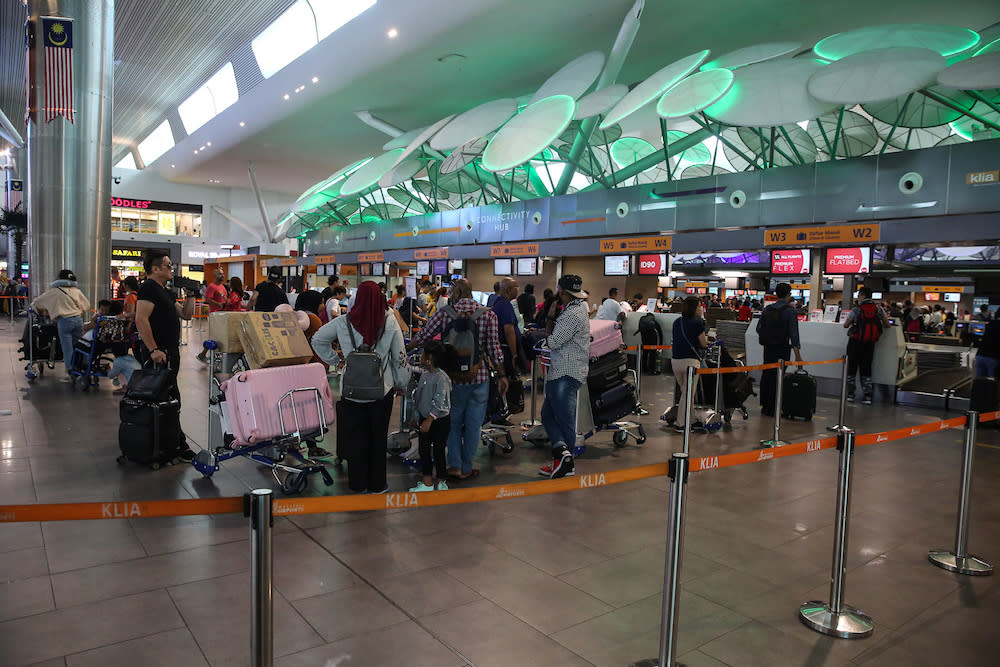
[{"x": 468, "y": 400}]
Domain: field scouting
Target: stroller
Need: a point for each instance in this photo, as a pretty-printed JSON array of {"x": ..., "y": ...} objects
[
  {"x": 39, "y": 345},
  {"x": 91, "y": 357}
]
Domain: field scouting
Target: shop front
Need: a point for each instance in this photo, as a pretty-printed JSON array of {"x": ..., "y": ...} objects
[
  {"x": 127, "y": 259},
  {"x": 147, "y": 216}
]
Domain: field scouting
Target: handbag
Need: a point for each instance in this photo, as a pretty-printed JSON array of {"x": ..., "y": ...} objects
[{"x": 149, "y": 383}]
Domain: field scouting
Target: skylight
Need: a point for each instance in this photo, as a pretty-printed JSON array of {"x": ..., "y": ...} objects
[
  {"x": 211, "y": 99},
  {"x": 300, "y": 28},
  {"x": 127, "y": 162},
  {"x": 156, "y": 144}
]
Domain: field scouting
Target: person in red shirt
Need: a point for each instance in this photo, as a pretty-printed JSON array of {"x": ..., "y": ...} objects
[
  {"x": 216, "y": 297},
  {"x": 234, "y": 303},
  {"x": 745, "y": 313}
]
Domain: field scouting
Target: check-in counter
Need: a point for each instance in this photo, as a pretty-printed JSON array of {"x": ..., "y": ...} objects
[
  {"x": 824, "y": 340},
  {"x": 630, "y": 331}
]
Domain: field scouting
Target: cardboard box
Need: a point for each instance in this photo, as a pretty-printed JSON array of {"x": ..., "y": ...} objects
[
  {"x": 273, "y": 339},
  {"x": 224, "y": 329}
]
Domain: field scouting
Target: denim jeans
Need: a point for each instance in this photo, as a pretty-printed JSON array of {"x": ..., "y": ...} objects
[
  {"x": 468, "y": 410},
  {"x": 124, "y": 365},
  {"x": 68, "y": 328},
  {"x": 559, "y": 411},
  {"x": 987, "y": 367}
]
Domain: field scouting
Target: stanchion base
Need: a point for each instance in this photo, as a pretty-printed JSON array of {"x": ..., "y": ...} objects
[
  {"x": 968, "y": 565},
  {"x": 766, "y": 444},
  {"x": 837, "y": 428},
  {"x": 850, "y": 623},
  {"x": 653, "y": 662},
  {"x": 642, "y": 412}
]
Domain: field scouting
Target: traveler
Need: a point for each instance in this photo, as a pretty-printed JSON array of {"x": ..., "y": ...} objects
[
  {"x": 124, "y": 364},
  {"x": 988, "y": 354},
  {"x": 472, "y": 331},
  {"x": 609, "y": 309},
  {"x": 569, "y": 354},
  {"x": 983, "y": 315},
  {"x": 865, "y": 324},
  {"x": 333, "y": 308},
  {"x": 778, "y": 333},
  {"x": 526, "y": 303},
  {"x": 158, "y": 320},
  {"x": 549, "y": 302},
  {"x": 689, "y": 341},
  {"x": 128, "y": 288},
  {"x": 745, "y": 313},
  {"x": 423, "y": 296},
  {"x": 937, "y": 319},
  {"x": 268, "y": 294},
  {"x": 492, "y": 298},
  {"x": 363, "y": 424},
  {"x": 409, "y": 308},
  {"x": 432, "y": 403},
  {"x": 65, "y": 304},
  {"x": 332, "y": 283},
  {"x": 216, "y": 297},
  {"x": 510, "y": 334},
  {"x": 234, "y": 302}
]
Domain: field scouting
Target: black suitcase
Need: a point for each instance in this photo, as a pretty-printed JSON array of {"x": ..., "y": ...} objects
[
  {"x": 613, "y": 412},
  {"x": 150, "y": 431},
  {"x": 515, "y": 396},
  {"x": 736, "y": 389},
  {"x": 606, "y": 372},
  {"x": 617, "y": 394},
  {"x": 984, "y": 396},
  {"x": 798, "y": 397}
]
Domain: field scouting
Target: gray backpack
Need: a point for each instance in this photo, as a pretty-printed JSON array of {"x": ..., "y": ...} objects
[{"x": 362, "y": 378}]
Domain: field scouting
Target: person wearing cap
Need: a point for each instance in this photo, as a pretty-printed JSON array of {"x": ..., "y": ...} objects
[
  {"x": 569, "y": 353},
  {"x": 268, "y": 294},
  {"x": 65, "y": 304}
]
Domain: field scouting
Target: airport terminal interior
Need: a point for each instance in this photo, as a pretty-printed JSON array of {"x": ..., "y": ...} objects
[{"x": 843, "y": 160}]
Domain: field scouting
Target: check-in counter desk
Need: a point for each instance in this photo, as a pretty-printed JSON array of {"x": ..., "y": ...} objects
[{"x": 823, "y": 340}]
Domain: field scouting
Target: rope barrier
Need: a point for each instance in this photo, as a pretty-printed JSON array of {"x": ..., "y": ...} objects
[
  {"x": 764, "y": 367},
  {"x": 368, "y": 502}
]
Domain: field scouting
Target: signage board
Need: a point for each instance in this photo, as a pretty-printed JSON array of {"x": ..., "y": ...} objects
[
  {"x": 822, "y": 235},
  {"x": 943, "y": 288},
  {"x": 289, "y": 261},
  {"x": 325, "y": 259},
  {"x": 790, "y": 262},
  {"x": 848, "y": 260},
  {"x": 128, "y": 253},
  {"x": 371, "y": 257},
  {"x": 430, "y": 253},
  {"x": 982, "y": 177},
  {"x": 654, "y": 265},
  {"x": 152, "y": 204},
  {"x": 514, "y": 250},
  {"x": 637, "y": 244}
]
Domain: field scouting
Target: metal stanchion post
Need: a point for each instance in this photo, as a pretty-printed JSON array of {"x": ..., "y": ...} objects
[
  {"x": 836, "y": 618},
  {"x": 688, "y": 407},
  {"x": 672, "y": 570},
  {"x": 840, "y": 426},
  {"x": 257, "y": 506},
  {"x": 776, "y": 440},
  {"x": 638, "y": 383},
  {"x": 528, "y": 423},
  {"x": 960, "y": 560}
]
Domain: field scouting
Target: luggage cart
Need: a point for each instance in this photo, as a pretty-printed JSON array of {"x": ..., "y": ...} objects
[
  {"x": 90, "y": 359},
  {"x": 704, "y": 417},
  {"x": 38, "y": 329}
]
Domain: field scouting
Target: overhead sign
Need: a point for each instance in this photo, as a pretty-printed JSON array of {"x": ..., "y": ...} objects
[
  {"x": 983, "y": 177},
  {"x": 636, "y": 244},
  {"x": 155, "y": 205},
  {"x": 942, "y": 288},
  {"x": 848, "y": 260},
  {"x": 127, "y": 253},
  {"x": 653, "y": 265},
  {"x": 789, "y": 262},
  {"x": 822, "y": 235},
  {"x": 431, "y": 253},
  {"x": 325, "y": 259},
  {"x": 289, "y": 261},
  {"x": 513, "y": 250},
  {"x": 371, "y": 257}
]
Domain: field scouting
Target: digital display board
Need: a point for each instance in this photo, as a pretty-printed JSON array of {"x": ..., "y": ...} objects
[
  {"x": 502, "y": 267},
  {"x": 653, "y": 265},
  {"x": 848, "y": 260},
  {"x": 790, "y": 262},
  {"x": 616, "y": 265},
  {"x": 440, "y": 267},
  {"x": 423, "y": 268},
  {"x": 527, "y": 266}
]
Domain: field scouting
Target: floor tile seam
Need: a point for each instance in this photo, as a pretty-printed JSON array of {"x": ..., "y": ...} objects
[
  {"x": 135, "y": 559},
  {"x": 702, "y": 646},
  {"x": 184, "y": 621},
  {"x": 187, "y": 549},
  {"x": 370, "y": 584}
]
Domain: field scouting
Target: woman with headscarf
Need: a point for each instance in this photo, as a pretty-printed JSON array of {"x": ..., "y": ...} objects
[{"x": 363, "y": 425}]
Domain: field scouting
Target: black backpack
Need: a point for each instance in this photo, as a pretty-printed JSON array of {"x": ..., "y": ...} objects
[
  {"x": 649, "y": 330},
  {"x": 772, "y": 326},
  {"x": 462, "y": 333}
]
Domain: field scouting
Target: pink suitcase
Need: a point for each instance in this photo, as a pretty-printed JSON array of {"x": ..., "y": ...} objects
[
  {"x": 252, "y": 400},
  {"x": 605, "y": 337}
]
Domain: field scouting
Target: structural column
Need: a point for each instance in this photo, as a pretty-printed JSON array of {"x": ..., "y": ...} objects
[
  {"x": 69, "y": 164},
  {"x": 816, "y": 280}
]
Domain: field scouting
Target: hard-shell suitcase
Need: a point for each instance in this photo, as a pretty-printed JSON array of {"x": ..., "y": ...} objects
[
  {"x": 605, "y": 337},
  {"x": 614, "y": 404},
  {"x": 798, "y": 397},
  {"x": 984, "y": 396},
  {"x": 606, "y": 372},
  {"x": 150, "y": 431},
  {"x": 617, "y": 394},
  {"x": 253, "y": 399}
]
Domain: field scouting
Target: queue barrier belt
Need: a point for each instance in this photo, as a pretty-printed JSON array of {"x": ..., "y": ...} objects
[
  {"x": 765, "y": 367},
  {"x": 368, "y": 502}
]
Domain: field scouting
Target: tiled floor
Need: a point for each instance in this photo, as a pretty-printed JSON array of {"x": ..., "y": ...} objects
[{"x": 570, "y": 579}]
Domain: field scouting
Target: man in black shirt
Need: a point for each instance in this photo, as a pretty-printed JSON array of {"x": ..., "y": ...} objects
[
  {"x": 526, "y": 303},
  {"x": 778, "y": 334},
  {"x": 268, "y": 295},
  {"x": 158, "y": 320},
  {"x": 331, "y": 284}
]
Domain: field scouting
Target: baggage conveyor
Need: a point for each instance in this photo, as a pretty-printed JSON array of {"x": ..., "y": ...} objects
[{"x": 936, "y": 388}]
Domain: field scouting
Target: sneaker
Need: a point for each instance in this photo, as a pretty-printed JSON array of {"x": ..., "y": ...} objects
[
  {"x": 546, "y": 471},
  {"x": 678, "y": 428},
  {"x": 186, "y": 455},
  {"x": 563, "y": 466},
  {"x": 421, "y": 487},
  {"x": 850, "y": 398},
  {"x": 501, "y": 421},
  {"x": 442, "y": 485},
  {"x": 867, "y": 400},
  {"x": 316, "y": 452}
]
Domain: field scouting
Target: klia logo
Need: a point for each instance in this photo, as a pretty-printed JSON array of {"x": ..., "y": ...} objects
[
  {"x": 120, "y": 510},
  {"x": 813, "y": 446},
  {"x": 510, "y": 493},
  {"x": 915, "y": 431},
  {"x": 401, "y": 500},
  {"x": 709, "y": 462},
  {"x": 590, "y": 481}
]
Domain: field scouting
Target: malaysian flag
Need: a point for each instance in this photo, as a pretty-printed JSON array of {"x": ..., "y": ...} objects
[
  {"x": 15, "y": 194},
  {"x": 58, "y": 36}
]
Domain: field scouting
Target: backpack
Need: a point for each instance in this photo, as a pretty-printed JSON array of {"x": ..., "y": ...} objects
[
  {"x": 772, "y": 328},
  {"x": 868, "y": 327},
  {"x": 649, "y": 330},
  {"x": 406, "y": 309},
  {"x": 362, "y": 378},
  {"x": 462, "y": 333},
  {"x": 913, "y": 324}
]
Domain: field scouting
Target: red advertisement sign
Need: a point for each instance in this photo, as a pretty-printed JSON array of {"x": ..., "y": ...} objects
[
  {"x": 789, "y": 262},
  {"x": 652, "y": 265},
  {"x": 848, "y": 260}
]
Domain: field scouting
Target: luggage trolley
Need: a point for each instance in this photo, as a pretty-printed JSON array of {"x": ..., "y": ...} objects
[
  {"x": 727, "y": 400},
  {"x": 39, "y": 345},
  {"x": 90, "y": 360},
  {"x": 274, "y": 453},
  {"x": 585, "y": 423}
]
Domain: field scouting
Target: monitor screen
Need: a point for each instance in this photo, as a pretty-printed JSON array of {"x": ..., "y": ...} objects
[
  {"x": 653, "y": 265},
  {"x": 440, "y": 267},
  {"x": 932, "y": 296},
  {"x": 977, "y": 328},
  {"x": 797, "y": 293},
  {"x": 953, "y": 297},
  {"x": 876, "y": 295},
  {"x": 477, "y": 296},
  {"x": 848, "y": 260},
  {"x": 366, "y": 269},
  {"x": 456, "y": 265},
  {"x": 527, "y": 266},
  {"x": 423, "y": 268},
  {"x": 378, "y": 269},
  {"x": 790, "y": 262},
  {"x": 502, "y": 267},
  {"x": 616, "y": 265}
]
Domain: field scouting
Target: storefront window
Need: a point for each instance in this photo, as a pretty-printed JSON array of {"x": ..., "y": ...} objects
[{"x": 152, "y": 220}]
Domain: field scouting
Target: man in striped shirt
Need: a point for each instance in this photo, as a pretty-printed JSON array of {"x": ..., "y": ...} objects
[
  {"x": 569, "y": 351},
  {"x": 468, "y": 399}
]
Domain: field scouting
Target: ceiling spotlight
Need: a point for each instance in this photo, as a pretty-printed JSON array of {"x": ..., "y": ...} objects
[
  {"x": 208, "y": 143},
  {"x": 242, "y": 123},
  {"x": 202, "y": 148},
  {"x": 315, "y": 79},
  {"x": 392, "y": 34},
  {"x": 196, "y": 151},
  {"x": 287, "y": 96},
  {"x": 172, "y": 166}
]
